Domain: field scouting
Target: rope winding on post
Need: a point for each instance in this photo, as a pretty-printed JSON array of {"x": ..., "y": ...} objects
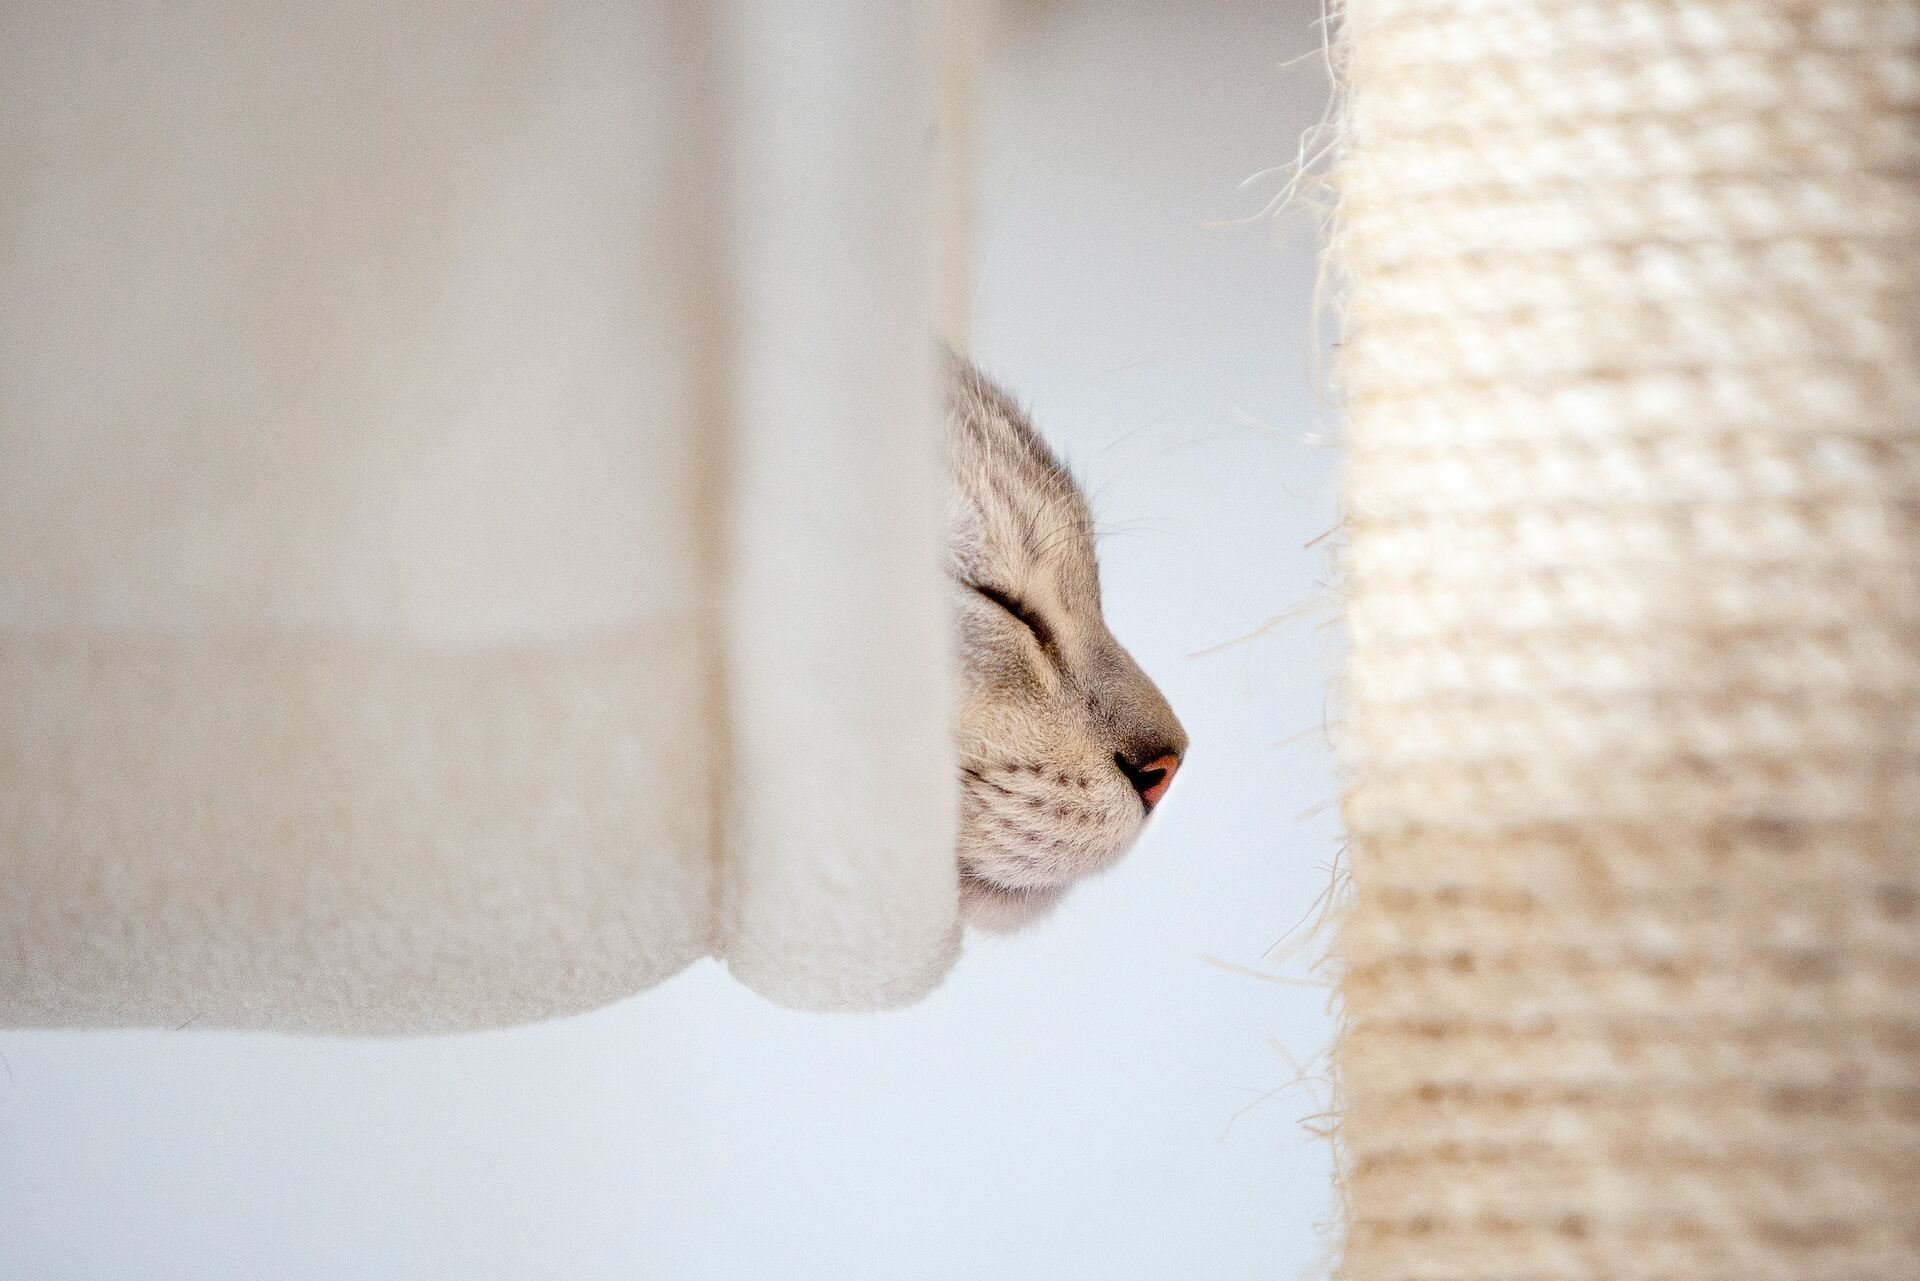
[{"x": 1631, "y": 962}]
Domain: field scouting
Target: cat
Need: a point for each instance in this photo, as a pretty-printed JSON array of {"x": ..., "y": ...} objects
[{"x": 1065, "y": 746}]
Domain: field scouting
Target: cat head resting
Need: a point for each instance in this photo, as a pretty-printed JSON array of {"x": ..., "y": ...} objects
[{"x": 1065, "y": 746}]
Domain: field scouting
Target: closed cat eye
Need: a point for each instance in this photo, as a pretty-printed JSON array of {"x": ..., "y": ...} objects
[{"x": 1020, "y": 610}]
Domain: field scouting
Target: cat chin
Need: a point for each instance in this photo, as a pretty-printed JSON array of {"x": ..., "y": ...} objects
[{"x": 993, "y": 908}]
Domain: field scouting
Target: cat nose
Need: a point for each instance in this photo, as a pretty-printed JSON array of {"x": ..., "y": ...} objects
[{"x": 1151, "y": 778}]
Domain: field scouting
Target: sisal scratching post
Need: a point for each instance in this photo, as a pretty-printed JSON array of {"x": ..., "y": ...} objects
[{"x": 1631, "y": 966}]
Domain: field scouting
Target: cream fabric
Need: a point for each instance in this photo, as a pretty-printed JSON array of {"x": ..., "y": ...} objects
[
  {"x": 1632, "y": 955},
  {"x": 471, "y": 509}
]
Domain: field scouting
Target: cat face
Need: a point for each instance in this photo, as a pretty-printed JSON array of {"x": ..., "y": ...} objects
[{"x": 1065, "y": 745}]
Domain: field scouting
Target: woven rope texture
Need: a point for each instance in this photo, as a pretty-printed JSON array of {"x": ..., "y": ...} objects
[{"x": 1631, "y": 959}]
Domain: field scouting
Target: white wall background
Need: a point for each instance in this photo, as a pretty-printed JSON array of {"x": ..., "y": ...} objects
[{"x": 1086, "y": 1101}]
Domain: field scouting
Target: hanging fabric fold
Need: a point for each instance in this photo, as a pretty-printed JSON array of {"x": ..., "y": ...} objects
[{"x": 471, "y": 509}]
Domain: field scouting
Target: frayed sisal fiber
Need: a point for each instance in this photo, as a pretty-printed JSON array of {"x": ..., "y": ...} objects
[
  {"x": 1630, "y": 970},
  {"x": 471, "y": 511}
]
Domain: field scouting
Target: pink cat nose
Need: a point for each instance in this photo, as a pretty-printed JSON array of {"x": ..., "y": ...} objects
[{"x": 1151, "y": 779}]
